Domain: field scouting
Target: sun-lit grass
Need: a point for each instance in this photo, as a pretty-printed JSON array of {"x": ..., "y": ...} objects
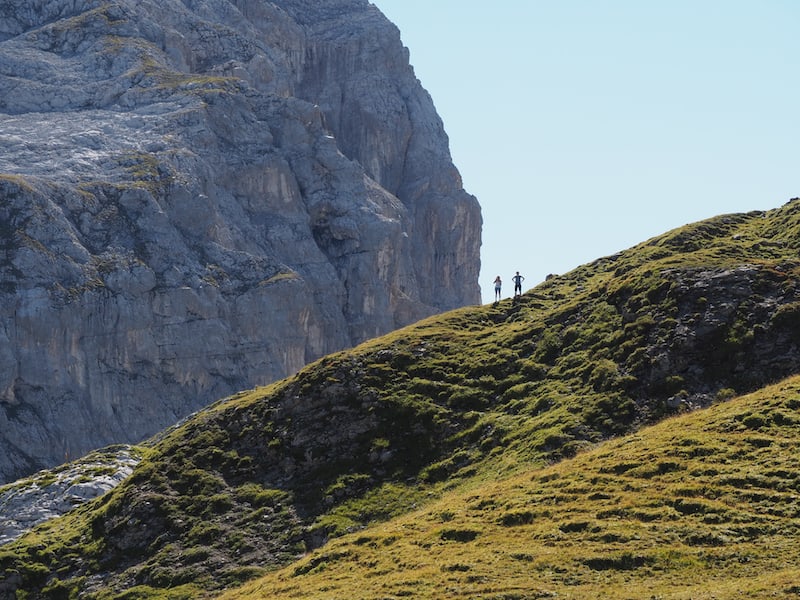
[{"x": 704, "y": 505}]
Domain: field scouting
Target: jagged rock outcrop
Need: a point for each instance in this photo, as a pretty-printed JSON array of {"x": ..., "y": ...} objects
[{"x": 199, "y": 197}]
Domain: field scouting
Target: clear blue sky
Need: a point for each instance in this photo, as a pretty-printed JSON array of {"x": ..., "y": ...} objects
[{"x": 587, "y": 126}]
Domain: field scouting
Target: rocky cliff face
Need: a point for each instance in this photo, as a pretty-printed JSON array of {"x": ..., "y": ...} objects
[{"x": 201, "y": 196}]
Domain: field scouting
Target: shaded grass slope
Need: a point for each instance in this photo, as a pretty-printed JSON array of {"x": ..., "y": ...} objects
[{"x": 397, "y": 425}]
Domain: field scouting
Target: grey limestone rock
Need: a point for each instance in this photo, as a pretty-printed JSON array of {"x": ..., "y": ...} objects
[
  {"x": 202, "y": 196},
  {"x": 51, "y": 493}
]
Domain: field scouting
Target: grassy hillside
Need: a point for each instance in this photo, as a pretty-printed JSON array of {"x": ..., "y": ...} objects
[
  {"x": 704, "y": 505},
  {"x": 477, "y": 403}
]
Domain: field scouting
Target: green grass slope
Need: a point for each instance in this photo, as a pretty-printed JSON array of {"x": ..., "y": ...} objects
[
  {"x": 704, "y": 505},
  {"x": 252, "y": 484}
]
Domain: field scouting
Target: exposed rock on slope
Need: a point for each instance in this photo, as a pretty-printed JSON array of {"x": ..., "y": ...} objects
[
  {"x": 51, "y": 493},
  {"x": 199, "y": 197}
]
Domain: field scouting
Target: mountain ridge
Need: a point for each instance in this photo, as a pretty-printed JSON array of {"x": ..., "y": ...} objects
[{"x": 470, "y": 398}]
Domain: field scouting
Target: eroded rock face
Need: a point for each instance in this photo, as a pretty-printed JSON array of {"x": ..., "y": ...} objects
[{"x": 200, "y": 197}]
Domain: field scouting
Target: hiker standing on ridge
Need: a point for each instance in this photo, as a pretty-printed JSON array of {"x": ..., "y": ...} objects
[
  {"x": 498, "y": 283},
  {"x": 518, "y": 279}
]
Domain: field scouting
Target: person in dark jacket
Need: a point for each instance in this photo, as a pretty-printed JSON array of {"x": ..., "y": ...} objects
[{"x": 518, "y": 279}]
